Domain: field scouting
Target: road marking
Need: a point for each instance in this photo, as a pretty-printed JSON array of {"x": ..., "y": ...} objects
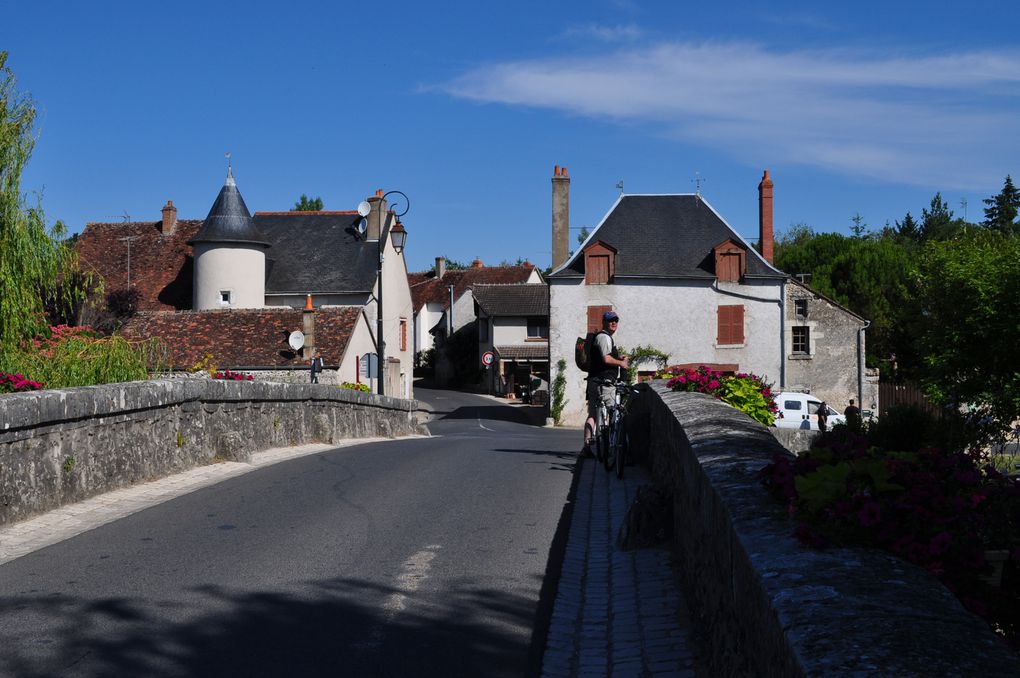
[
  {"x": 481, "y": 425},
  {"x": 413, "y": 572}
]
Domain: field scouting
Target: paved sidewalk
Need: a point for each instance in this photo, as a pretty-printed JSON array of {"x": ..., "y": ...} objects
[
  {"x": 65, "y": 522},
  {"x": 617, "y": 613}
]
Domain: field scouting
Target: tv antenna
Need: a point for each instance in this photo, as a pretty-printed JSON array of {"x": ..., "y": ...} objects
[
  {"x": 619, "y": 185},
  {"x": 697, "y": 180},
  {"x": 963, "y": 204},
  {"x": 128, "y": 240}
]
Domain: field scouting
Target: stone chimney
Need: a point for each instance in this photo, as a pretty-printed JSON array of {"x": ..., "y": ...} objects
[
  {"x": 765, "y": 236},
  {"x": 169, "y": 218},
  {"x": 560, "y": 216},
  {"x": 477, "y": 263},
  {"x": 440, "y": 267},
  {"x": 376, "y": 216}
]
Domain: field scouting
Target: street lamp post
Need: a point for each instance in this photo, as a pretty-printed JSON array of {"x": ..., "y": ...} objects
[{"x": 399, "y": 236}]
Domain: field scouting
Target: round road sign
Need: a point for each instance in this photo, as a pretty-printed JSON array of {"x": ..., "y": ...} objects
[{"x": 487, "y": 358}]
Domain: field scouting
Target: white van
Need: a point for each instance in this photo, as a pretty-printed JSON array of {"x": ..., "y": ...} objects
[{"x": 800, "y": 410}]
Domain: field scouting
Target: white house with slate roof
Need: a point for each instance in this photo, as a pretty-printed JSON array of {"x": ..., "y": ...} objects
[
  {"x": 683, "y": 281},
  {"x": 513, "y": 323}
]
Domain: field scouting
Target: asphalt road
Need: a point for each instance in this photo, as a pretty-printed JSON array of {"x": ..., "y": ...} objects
[{"x": 420, "y": 557}]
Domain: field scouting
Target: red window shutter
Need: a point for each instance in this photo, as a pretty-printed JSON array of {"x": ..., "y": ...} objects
[
  {"x": 731, "y": 325},
  {"x": 597, "y": 269},
  {"x": 403, "y": 334},
  {"x": 595, "y": 317}
]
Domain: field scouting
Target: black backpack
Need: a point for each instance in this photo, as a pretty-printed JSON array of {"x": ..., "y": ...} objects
[{"x": 584, "y": 347}]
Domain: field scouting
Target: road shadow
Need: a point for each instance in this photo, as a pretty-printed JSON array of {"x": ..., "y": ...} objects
[
  {"x": 318, "y": 629},
  {"x": 521, "y": 414}
]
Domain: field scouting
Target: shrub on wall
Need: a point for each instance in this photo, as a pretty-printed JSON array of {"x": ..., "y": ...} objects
[
  {"x": 749, "y": 393},
  {"x": 944, "y": 511},
  {"x": 227, "y": 375},
  {"x": 355, "y": 387},
  {"x": 77, "y": 356}
]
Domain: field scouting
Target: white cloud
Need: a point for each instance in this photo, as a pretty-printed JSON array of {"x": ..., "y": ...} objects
[
  {"x": 627, "y": 33},
  {"x": 949, "y": 119}
]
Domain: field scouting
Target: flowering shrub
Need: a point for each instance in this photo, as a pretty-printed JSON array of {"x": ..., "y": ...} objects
[
  {"x": 227, "y": 375},
  {"x": 356, "y": 387},
  {"x": 939, "y": 510},
  {"x": 15, "y": 383},
  {"x": 748, "y": 393}
]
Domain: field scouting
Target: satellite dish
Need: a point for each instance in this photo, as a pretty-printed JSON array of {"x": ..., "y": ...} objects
[
  {"x": 364, "y": 209},
  {"x": 363, "y": 225},
  {"x": 296, "y": 340}
]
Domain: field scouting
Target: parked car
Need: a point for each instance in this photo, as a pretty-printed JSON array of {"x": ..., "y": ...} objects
[{"x": 800, "y": 410}]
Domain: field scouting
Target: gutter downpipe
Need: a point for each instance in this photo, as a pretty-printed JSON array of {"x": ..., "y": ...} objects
[
  {"x": 782, "y": 336},
  {"x": 860, "y": 364}
]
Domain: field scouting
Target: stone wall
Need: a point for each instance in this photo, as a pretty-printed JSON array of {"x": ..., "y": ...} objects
[
  {"x": 62, "y": 446},
  {"x": 768, "y": 606}
]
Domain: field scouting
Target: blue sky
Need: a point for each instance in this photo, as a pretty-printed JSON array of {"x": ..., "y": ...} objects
[{"x": 865, "y": 107}]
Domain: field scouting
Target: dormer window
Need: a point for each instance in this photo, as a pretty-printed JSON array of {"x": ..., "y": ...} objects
[
  {"x": 800, "y": 306},
  {"x": 225, "y": 298},
  {"x": 730, "y": 261},
  {"x": 599, "y": 264}
]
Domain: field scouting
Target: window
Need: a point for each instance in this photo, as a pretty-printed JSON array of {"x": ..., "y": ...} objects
[
  {"x": 599, "y": 273},
  {"x": 730, "y": 261},
  {"x": 791, "y": 405},
  {"x": 800, "y": 307},
  {"x": 538, "y": 328},
  {"x": 599, "y": 263},
  {"x": 802, "y": 340},
  {"x": 731, "y": 325},
  {"x": 224, "y": 297},
  {"x": 595, "y": 317},
  {"x": 403, "y": 334},
  {"x": 483, "y": 329}
]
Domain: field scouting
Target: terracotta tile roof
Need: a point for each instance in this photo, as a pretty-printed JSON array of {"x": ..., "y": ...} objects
[
  {"x": 533, "y": 351},
  {"x": 244, "y": 337},
  {"x": 161, "y": 265},
  {"x": 426, "y": 288},
  {"x": 515, "y": 300}
]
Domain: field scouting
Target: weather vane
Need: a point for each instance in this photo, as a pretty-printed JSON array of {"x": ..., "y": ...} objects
[
  {"x": 619, "y": 185},
  {"x": 227, "y": 156}
]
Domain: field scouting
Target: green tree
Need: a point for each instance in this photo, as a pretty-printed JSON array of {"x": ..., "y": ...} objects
[
  {"x": 35, "y": 263},
  {"x": 306, "y": 204},
  {"x": 937, "y": 223},
  {"x": 1002, "y": 209},
  {"x": 454, "y": 265},
  {"x": 583, "y": 235},
  {"x": 969, "y": 321},
  {"x": 908, "y": 230},
  {"x": 859, "y": 229}
]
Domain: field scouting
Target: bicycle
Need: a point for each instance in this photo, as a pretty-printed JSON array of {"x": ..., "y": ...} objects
[{"x": 612, "y": 442}]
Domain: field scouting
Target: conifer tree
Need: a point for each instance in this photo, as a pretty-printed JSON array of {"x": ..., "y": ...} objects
[{"x": 1002, "y": 209}]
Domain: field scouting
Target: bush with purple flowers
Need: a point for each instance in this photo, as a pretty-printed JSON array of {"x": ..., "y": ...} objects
[
  {"x": 227, "y": 375},
  {"x": 16, "y": 383},
  {"x": 749, "y": 393},
  {"x": 940, "y": 510}
]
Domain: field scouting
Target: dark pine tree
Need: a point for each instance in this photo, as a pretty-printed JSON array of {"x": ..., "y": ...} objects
[{"x": 1002, "y": 209}]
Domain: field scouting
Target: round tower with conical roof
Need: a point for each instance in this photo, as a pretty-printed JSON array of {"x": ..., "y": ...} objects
[{"x": 230, "y": 255}]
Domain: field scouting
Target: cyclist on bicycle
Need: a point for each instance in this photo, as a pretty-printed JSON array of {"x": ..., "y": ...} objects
[{"x": 605, "y": 364}]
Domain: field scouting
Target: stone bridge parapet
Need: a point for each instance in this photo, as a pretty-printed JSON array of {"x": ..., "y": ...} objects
[
  {"x": 64, "y": 445},
  {"x": 767, "y": 605}
]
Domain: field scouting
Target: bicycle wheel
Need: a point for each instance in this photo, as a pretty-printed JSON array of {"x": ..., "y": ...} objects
[
  {"x": 623, "y": 452},
  {"x": 613, "y": 442}
]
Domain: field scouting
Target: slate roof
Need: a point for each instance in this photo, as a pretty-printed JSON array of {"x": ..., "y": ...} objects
[
  {"x": 665, "y": 236},
  {"x": 534, "y": 351},
  {"x": 243, "y": 338},
  {"x": 161, "y": 265},
  {"x": 515, "y": 300},
  {"x": 319, "y": 252},
  {"x": 229, "y": 220},
  {"x": 426, "y": 288}
]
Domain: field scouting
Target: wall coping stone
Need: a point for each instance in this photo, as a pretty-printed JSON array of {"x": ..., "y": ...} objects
[{"x": 773, "y": 606}]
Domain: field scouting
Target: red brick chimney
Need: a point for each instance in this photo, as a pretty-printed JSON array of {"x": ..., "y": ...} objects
[
  {"x": 765, "y": 236},
  {"x": 477, "y": 263},
  {"x": 169, "y": 218},
  {"x": 560, "y": 216}
]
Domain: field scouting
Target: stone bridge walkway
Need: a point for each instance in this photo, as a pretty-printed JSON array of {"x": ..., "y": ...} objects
[{"x": 617, "y": 614}]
